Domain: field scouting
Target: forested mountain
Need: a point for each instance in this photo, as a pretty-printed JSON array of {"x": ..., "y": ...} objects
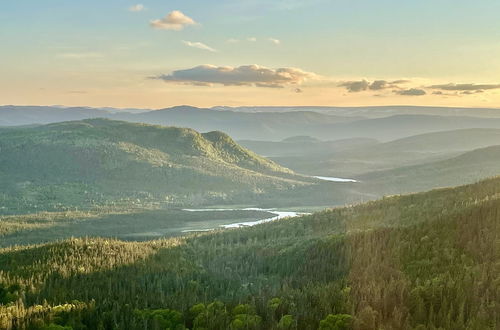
[
  {"x": 96, "y": 161},
  {"x": 465, "y": 168},
  {"x": 422, "y": 261}
]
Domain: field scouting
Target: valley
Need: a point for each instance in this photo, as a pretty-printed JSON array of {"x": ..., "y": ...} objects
[
  {"x": 316, "y": 231},
  {"x": 406, "y": 248}
]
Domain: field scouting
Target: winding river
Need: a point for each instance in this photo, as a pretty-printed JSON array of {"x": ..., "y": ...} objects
[{"x": 277, "y": 215}]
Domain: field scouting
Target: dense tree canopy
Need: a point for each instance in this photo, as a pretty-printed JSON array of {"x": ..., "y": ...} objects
[{"x": 422, "y": 261}]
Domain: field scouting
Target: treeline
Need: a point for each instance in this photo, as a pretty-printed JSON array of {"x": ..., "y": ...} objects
[{"x": 423, "y": 261}]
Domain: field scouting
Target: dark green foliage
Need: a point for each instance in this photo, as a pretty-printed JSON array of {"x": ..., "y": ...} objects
[
  {"x": 164, "y": 319},
  {"x": 210, "y": 317},
  {"x": 286, "y": 322},
  {"x": 9, "y": 293},
  {"x": 336, "y": 322}
]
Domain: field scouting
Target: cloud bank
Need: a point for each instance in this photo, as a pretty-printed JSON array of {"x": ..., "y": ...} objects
[
  {"x": 176, "y": 21},
  {"x": 246, "y": 75}
]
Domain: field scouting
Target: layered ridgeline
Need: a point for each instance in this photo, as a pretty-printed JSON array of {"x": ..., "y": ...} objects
[
  {"x": 468, "y": 167},
  {"x": 356, "y": 157},
  {"x": 423, "y": 261},
  {"x": 99, "y": 161},
  {"x": 275, "y": 124}
]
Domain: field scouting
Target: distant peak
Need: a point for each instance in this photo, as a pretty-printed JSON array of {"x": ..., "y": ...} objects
[
  {"x": 183, "y": 108},
  {"x": 301, "y": 138}
]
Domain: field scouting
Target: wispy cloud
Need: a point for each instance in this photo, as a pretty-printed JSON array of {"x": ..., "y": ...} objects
[
  {"x": 176, "y": 21},
  {"x": 465, "y": 87},
  {"x": 246, "y": 75},
  {"x": 252, "y": 39},
  {"x": 198, "y": 45},
  {"x": 274, "y": 41},
  {"x": 77, "y": 92},
  {"x": 80, "y": 56},
  {"x": 137, "y": 8},
  {"x": 232, "y": 40}
]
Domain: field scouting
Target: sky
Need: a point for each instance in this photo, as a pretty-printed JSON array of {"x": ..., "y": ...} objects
[{"x": 155, "y": 54}]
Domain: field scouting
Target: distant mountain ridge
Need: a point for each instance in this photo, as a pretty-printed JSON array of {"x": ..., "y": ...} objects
[
  {"x": 276, "y": 124},
  {"x": 374, "y": 111}
]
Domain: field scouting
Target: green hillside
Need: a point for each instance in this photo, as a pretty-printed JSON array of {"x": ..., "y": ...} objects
[
  {"x": 424, "y": 261},
  {"x": 466, "y": 168},
  {"x": 304, "y": 146},
  {"x": 98, "y": 161}
]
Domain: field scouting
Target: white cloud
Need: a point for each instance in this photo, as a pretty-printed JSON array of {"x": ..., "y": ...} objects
[
  {"x": 198, "y": 45},
  {"x": 232, "y": 40},
  {"x": 176, "y": 21},
  {"x": 137, "y": 8},
  {"x": 246, "y": 75},
  {"x": 274, "y": 41},
  {"x": 252, "y": 39}
]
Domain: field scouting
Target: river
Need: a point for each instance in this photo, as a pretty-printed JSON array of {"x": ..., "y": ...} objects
[
  {"x": 277, "y": 215},
  {"x": 332, "y": 179}
]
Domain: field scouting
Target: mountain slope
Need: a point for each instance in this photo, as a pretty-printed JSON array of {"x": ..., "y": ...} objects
[
  {"x": 422, "y": 261},
  {"x": 413, "y": 150},
  {"x": 469, "y": 167},
  {"x": 304, "y": 146},
  {"x": 98, "y": 160}
]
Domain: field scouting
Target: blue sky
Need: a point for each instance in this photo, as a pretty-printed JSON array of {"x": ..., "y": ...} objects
[{"x": 100, "y": 53}]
